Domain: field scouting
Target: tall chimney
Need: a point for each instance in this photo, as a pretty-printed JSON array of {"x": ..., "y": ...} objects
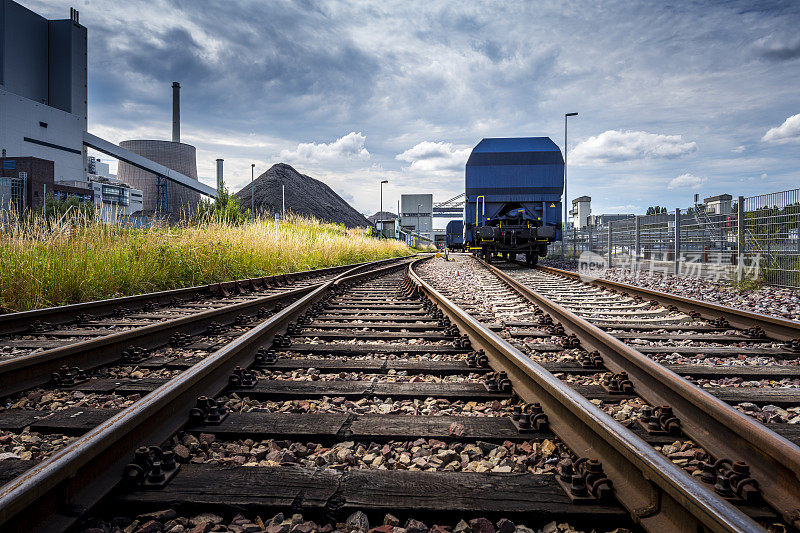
[
  {"x": 219, "y": 174},
  {"x": 176, "y": 112}
]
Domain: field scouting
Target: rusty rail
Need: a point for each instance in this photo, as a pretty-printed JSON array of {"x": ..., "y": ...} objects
[
  {"x": 54, "y": 493},
  {"x": 719, "y": 428}
]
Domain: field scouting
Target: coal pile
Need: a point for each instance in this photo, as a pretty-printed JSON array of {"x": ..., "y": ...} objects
[{"x": 304, "y": 196}]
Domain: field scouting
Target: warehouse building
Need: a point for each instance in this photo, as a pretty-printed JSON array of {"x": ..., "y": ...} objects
[
  {"x": 43, "y": 106},
  {"x": 416, "y": 213}
]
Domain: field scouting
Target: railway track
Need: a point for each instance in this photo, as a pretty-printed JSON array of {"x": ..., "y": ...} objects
[
  {"x": 371, "y": 393},
  {"x": 653, "y": 339}
]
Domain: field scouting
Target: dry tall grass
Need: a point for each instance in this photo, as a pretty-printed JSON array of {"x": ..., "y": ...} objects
[{"x": 54, "y": 263}]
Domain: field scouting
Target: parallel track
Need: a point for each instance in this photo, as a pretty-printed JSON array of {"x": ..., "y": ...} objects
[
  {"x": 373, "y": 359},
  {"x": 605, "y": 315}
]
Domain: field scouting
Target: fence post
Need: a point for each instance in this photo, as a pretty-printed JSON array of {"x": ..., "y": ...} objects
[
  {"x": 637, "y": 242},
  {"x": 609, "y": 263},
  {"x": 574, "y": 239},
  {"x": 677, "y": 258},
  {"x": 740, "y": 240}
]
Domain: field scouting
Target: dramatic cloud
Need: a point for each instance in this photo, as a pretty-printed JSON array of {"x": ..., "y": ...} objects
[
  {"x": 787, "y": 132},
  {"x": 686, "y": 181},
  {"x": 351, "y": 146},
  {"x": 440, "y": 156},
  {"x": 614, "y": 146},
  {"x": 425, "y": 80}
]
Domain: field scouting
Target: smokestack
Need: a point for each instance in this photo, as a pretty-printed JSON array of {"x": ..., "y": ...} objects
[
  {"x": 219, "y": 174},
  {"x": 176, "y": 112}
]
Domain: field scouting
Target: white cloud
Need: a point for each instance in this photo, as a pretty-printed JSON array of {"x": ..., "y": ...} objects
[
  {"x": 686, "y": 181},
  {"x": 351, "y": 146},
  {"x": 430, "y": 156},
  {"x": 739, "y": 149},
  {"x": 787, "y": 132},
  {"x": 614, "y": 146}
]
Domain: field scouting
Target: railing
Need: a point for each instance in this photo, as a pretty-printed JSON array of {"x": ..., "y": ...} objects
[{"x": 754, "y": 238}]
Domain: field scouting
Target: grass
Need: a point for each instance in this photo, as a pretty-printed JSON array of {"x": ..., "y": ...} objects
[{"x": 47, "y": 263}]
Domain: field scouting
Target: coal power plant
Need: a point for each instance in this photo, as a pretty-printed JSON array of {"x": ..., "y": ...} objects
[{"x": 163, "y": 196}]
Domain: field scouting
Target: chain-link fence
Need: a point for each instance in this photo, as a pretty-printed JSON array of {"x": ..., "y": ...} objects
[{"x": 753, "y": 238}]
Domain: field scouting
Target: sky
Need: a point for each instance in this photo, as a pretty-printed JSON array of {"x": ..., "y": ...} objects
[{"x": 673, "y": 98}]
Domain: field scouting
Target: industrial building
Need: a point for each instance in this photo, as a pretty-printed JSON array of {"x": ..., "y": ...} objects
[
  {"x": 581, "y": 212},
  {"x": 43, "y": 117},
  {"x": 161, "y": 195},
  {"x": 43, "y": 106},
  {"x": 416, "y": 213}
]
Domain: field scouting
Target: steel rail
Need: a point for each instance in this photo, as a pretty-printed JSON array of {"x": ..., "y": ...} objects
[
  {"x": 659, "y": 495},
  {"x": 19, "y": 322},
  {"x": 719, "y": 428},
  {"x": 27, "y": 371},
  {"x": 54, "y": 493},
  {"x": 778, "y": 328}
]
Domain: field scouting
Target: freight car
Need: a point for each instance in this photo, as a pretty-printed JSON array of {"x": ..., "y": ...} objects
[
  {"x": 513, "y": 192},
  {"x": 455, "y": 235}
]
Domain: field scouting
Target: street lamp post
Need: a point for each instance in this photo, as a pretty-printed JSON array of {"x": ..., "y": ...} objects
[
  {"x": 566, "y": 200},
  {"x": 380, "y": 213},
  {"x": 252, "y": 191}
]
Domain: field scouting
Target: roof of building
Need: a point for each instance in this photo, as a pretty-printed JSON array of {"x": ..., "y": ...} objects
[
  {"x": 516, "y": 144},
  {"x": 719, "y": 197},
  {"x": 581, "y": 199}
]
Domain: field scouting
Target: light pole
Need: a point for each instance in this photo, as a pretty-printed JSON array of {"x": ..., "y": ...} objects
[
  {"x": 566, "y": 201},
  {"x": 252, "y": 191},
  {"x": 380, "y": 213}
]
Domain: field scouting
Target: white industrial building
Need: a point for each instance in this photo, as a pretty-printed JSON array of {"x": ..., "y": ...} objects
[
  {"x": 581, "y": 212},
  {"x": 43, "y": 88},
  {"x": 416, "y": 213}
]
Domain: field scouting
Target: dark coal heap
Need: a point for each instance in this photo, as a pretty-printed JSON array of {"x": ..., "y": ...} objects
[{"x": 304, "y": 196}]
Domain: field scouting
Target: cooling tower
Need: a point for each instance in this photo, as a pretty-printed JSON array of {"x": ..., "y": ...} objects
[{"x": 177, "y": 156}]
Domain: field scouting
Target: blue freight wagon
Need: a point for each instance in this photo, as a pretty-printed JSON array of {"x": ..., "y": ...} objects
[
  {"x": 513, "y": 192},
  {"x": 454, "y": 235}
]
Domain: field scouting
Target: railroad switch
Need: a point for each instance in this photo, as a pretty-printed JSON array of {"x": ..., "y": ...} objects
[
  {"x": 754, "y": 333},
  {"x": 40, "y": 326},
  {"x": 134, "y": 354},
  {"x": 498, "y": 382},
  {"x": 69, "y": 376},
  {"x": 152, "y": 468},
  {"x": 793, "y": 345},
  {"x": 618, "y": 384},
  {"x": 179, "y": 339},
  {"x": 584, "y": 480},
  {"x": 570, "y": 341},
  {"x": 266, "y": 356},
  {"x": 84, "y": 318},
  {"x": 529, "y": 418},
  {"x": 208, "y": 411},
  {"x": 659, "y": 421},
  {"x": 731, "y": 480},
  {"x": 592, "y": 359},
  {"x": 477, "y": 359},
  {"x": 242, "y": 378}
]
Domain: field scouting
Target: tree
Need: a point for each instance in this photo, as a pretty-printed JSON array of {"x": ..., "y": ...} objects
[
  {"x": 56, "y": 207},
  {"x": 223, "y": 208},
  {"x": 656, "y": 210}
]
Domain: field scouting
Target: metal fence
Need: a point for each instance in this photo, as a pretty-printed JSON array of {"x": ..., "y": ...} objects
[{"x": 752, "y": 238}]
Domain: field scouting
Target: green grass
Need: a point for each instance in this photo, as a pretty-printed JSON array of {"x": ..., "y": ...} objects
[{"x": 49, "y": 263}]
